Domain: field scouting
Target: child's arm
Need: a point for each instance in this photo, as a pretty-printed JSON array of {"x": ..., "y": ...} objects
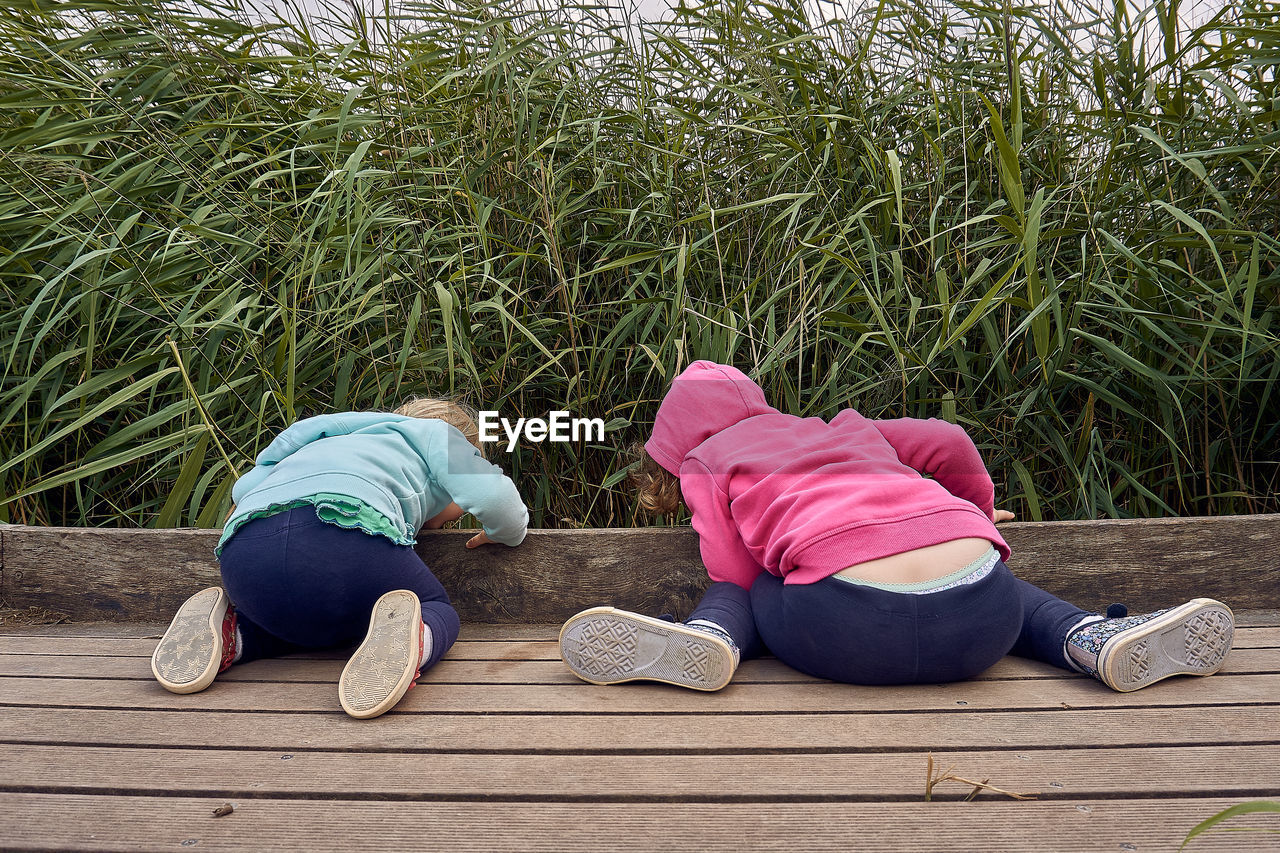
[
  {"x": 453, "y": 512},
  {"x": 945, "y": 452},
  {"x": 723, "y": 552},
  {"x": 480, "y": 488}
]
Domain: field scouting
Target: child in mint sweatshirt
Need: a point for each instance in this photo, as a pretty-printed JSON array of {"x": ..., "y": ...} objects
[
  {"x": 856, "y": 550},
  {"x": 318, "y": 551}
]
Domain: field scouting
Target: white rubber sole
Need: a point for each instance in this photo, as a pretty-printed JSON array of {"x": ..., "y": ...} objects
[
  {"x": 380, "y": 672},
  {"x": 605, "y": 645},
  {"x": 189, "y": 654},
  {"x": 1192, "y": 639}
]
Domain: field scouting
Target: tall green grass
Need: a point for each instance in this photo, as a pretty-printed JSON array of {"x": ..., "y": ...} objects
[{"x": 1056, "y": 225}]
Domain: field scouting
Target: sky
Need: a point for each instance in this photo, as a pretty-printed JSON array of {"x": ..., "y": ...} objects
[
  {"x": 646, "y": 10},
  {"x": 1190, "y": 12}
]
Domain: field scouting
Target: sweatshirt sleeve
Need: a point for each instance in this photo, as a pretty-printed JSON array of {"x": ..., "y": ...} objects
[
  {"x": 945, "y": 452},
  {"x": 724, "y": 553},
  {"x": 479, "y": 487},
  {"x": 297, "y": 436}
]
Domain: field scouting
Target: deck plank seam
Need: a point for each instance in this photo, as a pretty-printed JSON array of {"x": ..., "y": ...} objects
[
  {"x": 625, "y": 799},
  {"x": 690, "y": 752},
  {"x": 663, "y": 714}
]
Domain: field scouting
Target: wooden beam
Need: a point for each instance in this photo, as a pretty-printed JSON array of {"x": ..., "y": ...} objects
[{"x": 140, "y": 575}]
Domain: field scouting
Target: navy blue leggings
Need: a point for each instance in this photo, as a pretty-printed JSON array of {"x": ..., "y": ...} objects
[
  {"x": 863, "y": 635},
  {"x": 300, "y": 583}
]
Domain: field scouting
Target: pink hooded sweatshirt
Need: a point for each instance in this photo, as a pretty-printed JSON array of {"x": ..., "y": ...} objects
[{"x": 802, "y": 498}]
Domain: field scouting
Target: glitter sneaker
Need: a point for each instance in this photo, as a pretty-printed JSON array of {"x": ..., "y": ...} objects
[
  {"x": 386, "y": 665},
  {"x": 1131, "y": 652},
  {"x": 200, "y": 643},
  {"x": 605, "y": 645}
]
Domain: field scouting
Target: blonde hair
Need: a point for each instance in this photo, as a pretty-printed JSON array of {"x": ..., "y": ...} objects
[
  {"x": 657, "y": 489},
  {"x": 456, "y": 413}
]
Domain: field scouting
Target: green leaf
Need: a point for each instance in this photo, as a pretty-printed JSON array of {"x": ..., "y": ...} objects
[
  {"x": 1253, "y": 807},
  {"x": 170, "y": 513}
]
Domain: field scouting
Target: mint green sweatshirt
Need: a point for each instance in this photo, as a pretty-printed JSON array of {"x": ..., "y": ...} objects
[{"x": 406, "y": 470}]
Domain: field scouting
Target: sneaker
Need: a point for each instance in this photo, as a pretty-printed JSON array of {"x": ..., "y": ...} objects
[
  {"x": 605, "y": 645},
  {"x": 1131, "y": 652},
  {"x": 200, "y": 643},
  {"x": 386, "y": 665}
]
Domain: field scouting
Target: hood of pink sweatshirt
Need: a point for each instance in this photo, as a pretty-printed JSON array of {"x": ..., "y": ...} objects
[{"x": 705, "y": 399}]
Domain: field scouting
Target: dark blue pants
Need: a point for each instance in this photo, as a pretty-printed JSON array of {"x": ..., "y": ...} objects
[
  {"x": 863, "y": 635},
  {"x": 300, "y": 583}
]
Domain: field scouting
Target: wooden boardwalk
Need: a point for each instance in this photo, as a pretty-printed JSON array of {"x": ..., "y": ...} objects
[{"x": 501, "y": 748}]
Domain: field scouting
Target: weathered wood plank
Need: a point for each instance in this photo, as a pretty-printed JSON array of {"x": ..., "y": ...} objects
[
  {"x": 96, "y": 628},
  {"x": 1244, "y": 771},
  {"x": 499, "y": 631},
  {"x": 146, "y": 574},
  {"x": 822, "y": 697},
  {"x": 90, "y": 647},
  {"x": 533, "y": 671},
  {"x": 642, "y": 733},
  {"x": 283, "y": 670},
  {"x": 71, "y": 821},
  {"x": 471, "y": 631},
  {"x": 1245, "y": 638},
  {"x": 97, "y": 574}
]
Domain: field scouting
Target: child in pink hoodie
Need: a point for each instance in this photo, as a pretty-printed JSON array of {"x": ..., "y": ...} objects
[{"x": 856, "y": 550}]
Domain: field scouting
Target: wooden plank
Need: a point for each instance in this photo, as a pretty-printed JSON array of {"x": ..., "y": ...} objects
[
  {"x": 301, "y": 671},
  {"x": 1245, "y": 638},
  {"x": 146, "y": 574},
  {"x": 447, "y": 671},
  {"x": 96, "y": 629},
  {"x": 78, "y": 822},
  {"x": 92, "y": 573},
  {"x": 1251, "y": 618},
  {"x": 1253, "y": 629},
  {"x": 534, "y": 671},
  {"x": 471, "y": 631},
  {"x": 89, "y": 647},
  {"x": 289, "y": 733},
  {"x": 1242, "y": 771},
  {"x": 498, "y": 631},
  {"x": 822, "y": 697}
]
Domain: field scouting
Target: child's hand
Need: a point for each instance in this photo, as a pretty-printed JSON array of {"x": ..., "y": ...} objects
[
  {"x": 1003, "y": 515},
  {"x": 479, "y": 539}
]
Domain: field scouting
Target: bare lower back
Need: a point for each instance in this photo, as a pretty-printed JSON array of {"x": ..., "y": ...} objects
[{"x": 922, "y": 564}]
